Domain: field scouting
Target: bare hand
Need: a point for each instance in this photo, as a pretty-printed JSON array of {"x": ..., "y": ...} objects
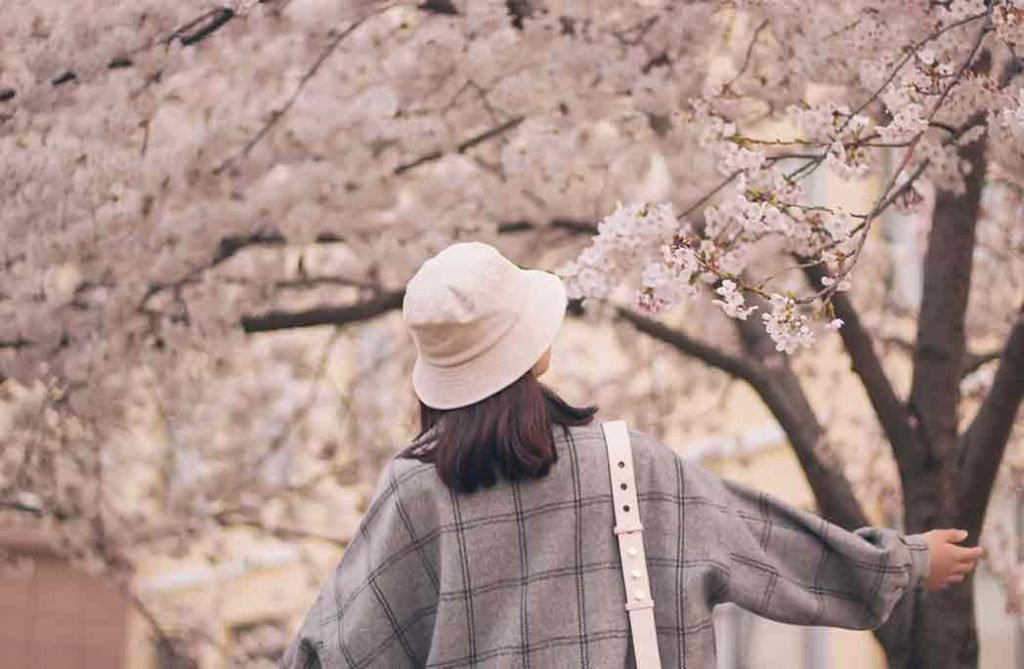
[{"x": 949, "y": 563}]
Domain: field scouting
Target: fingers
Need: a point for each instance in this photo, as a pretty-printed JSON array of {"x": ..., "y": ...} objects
[
  {"x": 969, "y": 554},
  {"x": 966, "y": 559},
  {"x": 952, "y": 536},
  {"x": 952, "y": 579},
  {"x": 951, "y": 564},
  {"x": 963, "y": 568}
]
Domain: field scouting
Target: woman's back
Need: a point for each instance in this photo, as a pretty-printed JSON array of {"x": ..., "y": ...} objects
[
  {"x": 490, "y": 540},
  {"x": 528, "y": 573},
  {"x": 517, "y": 574}
]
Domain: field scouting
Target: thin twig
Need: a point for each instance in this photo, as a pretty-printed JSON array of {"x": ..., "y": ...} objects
[
  {"x": 303, "y": 410},
  {"x": 143, "y": 610},
  {"x": 750, "y": 52},
  {"x": 707, "y": 196},
  {"x": 806, "y": 168},
  {"x": 189, "y": 33},
  {"x": 827, "y": 292},
  {"x": 278, "y": 114},
  {"x": 903, "y": 61},
  {"x": 462, "y": 147}
]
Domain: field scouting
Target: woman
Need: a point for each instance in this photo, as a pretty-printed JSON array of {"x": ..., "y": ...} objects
[{"x": 489, "y": 541}]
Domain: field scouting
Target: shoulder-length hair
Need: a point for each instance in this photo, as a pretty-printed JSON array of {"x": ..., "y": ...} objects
[{"x": 508, "y": 434}]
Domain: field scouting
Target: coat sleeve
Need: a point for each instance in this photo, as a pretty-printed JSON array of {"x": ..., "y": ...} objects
[
  {"x": 375, "y": 610},
  {"x": 795, "y": 567}
]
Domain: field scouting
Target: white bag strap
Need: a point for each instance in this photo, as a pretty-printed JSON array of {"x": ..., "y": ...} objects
[{"x": 639, "y": 602}]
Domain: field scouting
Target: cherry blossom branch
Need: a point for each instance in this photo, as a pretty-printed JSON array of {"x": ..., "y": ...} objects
[
  {"x": 807, "y": 168},
  {"x": 381, "y": 303},
  {"x": 277, "y": 114},
  {"x": 245, "y": 470},
  {"x": 985, "y": 29},
  {"x": 888, "y": 195},
  {"x": 140, "y": 607},
  {"x": 158, "y": 629},
  {"x": 229, "y": 247},
  {"x": 911, "y": 53},
  {"x": 572, "y": 226},
  {"x": 300, "y": 413},
  {"x": 190, "y": 33},
  {"x": 710, "y": 194},
  {"x": 463, "y": 146},
  {"x": 749, "y": 54},
  {"x": 201, "y": 28},
  {"x": 827, "y": 294},
  {"x": 444, "y": 7},
  {"x": 361, "y": 311},
  {"x": 316, "y": 282},
  {"x": 890, "y": 199},
  {"x": 895, "y": 195},
  {"x": 759, "y": 287},
  {"x": 743, "y": 139}
]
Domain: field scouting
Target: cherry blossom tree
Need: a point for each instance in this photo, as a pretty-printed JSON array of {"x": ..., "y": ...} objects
[{"x": 182, "y": 176}]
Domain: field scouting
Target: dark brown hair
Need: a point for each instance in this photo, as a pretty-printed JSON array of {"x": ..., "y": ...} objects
[{"x": 508, "y": 434}]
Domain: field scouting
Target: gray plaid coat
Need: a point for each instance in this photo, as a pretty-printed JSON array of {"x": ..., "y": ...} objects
[{"x": 527, "y": 574}]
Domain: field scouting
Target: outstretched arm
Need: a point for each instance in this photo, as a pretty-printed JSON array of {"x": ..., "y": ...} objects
[{"x": 794, "y": 567}]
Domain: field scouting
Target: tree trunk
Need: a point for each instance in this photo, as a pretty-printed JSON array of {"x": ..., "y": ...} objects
[
  {"x": 935, "y": 630},
  {"x": 943, "y": 632}
]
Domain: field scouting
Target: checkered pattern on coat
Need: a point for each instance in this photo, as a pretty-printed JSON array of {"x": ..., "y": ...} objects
[{"x": 527, "y": 574}]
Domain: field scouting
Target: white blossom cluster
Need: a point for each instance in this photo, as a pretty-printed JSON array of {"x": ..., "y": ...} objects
[
  {"x": 625, "y": 239},
  {"x": 786, "y": 326},
  {"x": 733, "y": 301},
  {"x": 901, "y": 93}
]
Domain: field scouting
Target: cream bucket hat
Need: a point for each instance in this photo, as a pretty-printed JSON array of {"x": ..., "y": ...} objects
[{"x": 479, "y": 322}]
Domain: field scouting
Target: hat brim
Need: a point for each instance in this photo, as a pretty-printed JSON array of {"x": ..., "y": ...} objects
[{"x": 509, "y": 358}]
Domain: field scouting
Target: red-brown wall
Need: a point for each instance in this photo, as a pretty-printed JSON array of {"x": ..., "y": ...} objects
[{"x": 55, "y": 617}]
